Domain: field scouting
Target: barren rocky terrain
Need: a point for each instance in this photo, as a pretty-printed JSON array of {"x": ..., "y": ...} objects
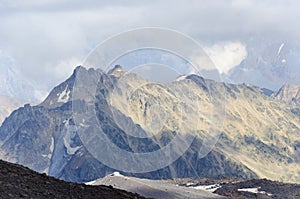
[
  {"x": 17, "y": 181},
  {"x": 243, "y": 188},
  {"x": 20, "y": 182}
]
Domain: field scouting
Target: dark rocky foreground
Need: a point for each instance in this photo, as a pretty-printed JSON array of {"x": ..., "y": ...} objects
[{"x": 20, "y": 182}]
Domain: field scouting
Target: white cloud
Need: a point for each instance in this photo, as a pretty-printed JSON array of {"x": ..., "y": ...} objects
[
  {"x": 64, "y": 68},
  {"x": 44, "y": 43},
  {"x": 41, "y": 36},
  {"x": 226, "y": 55}
]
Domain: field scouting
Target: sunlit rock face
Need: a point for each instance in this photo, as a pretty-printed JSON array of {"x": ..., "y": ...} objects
[
  {"x": 258, "y": 131},
  {"x": 288, "y": 93}
]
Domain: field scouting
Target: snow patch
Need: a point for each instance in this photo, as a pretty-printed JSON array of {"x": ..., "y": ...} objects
[
  {"x": 254, "y": 190},
  {"x": 283, "y": 61},
  {"x": 51, "y": 148},
  {"x": 64, "y": 96},
  {"x": 189, "y": 184},
  {"x": 46, "y": 171},
  {"x": 180, "y": 78},
  {"x": 91, "y": 182},
  {"x": 251, "y": 190},
  {"x": 83, "y": 125},
  {"x": 68, "y": 139},
  {"x": 280, "y": 48},
  {"x": 210, "y": 188},
  {"x": 116, "y": 174},
  {"x": 70, "y": 150}
]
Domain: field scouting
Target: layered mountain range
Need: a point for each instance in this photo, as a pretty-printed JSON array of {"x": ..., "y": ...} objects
[
  {"x": 14, "y": 84},
  {"x": 15, "y": 90},
  {"x": 7, "y": 105},
  {"x": 258, "y": 137},
  {"x": 269, "y": 64}
]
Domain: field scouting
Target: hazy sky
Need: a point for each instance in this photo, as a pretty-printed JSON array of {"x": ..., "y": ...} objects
[{"x": 48, "y": 38}]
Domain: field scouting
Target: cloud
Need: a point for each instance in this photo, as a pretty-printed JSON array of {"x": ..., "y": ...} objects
[
  {"x": 45, "y": 37},
  {"x": 41, "y": 41},
  {"x": 226, "y": 55}
]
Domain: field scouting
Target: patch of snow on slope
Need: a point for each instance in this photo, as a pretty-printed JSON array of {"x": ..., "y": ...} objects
[
  {"x": 70, "y": 134},
  {"x": 280, "y": 48},
  {"x": 51, "y": 148},
  {"x": 64, "y": 96},
  {"x": 180, "y": 78},
  {"x": 254, "y": 190},
  {"x": 116, "y": 174},
  {"x": 91, "y": 182},
  {"x": 210, "y": 188},
  {"x": 190, "y": 184},
  {"x": 46, "y": 170}
]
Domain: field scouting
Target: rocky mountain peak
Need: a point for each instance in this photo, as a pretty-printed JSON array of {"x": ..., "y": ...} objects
[
  {"x": 45, "y": 138},
  {"x": 62, "y": 93},
  {"x": 78, "y": 68},
  {"x": 288, "y": 93},
  {"x": 117, "y": 71}
]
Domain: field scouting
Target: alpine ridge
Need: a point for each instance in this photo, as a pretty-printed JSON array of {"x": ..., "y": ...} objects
[{"x": 259, "y": 131}]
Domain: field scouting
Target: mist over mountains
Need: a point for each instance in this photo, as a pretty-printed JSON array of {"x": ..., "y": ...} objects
[
  {"x": 269, "y": 64},
  {"x": 169, "y": 99},
  {"x": 14, "y": 84}
]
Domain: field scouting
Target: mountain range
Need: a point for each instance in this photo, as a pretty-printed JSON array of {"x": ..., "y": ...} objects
[
  {"x": 14, "y": 84},
  {"x": 269, "y": 64},
  {"x": 258, "y": 131},
  {"x": 15, "y": 90},
  {"x": 7, "y": 105}
]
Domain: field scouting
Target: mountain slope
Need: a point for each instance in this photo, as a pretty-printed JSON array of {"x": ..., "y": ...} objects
[
  {"x": 259, "y": 132},
  {"x": 20, "y": 182},
  {"x": 288, "y": 93}
]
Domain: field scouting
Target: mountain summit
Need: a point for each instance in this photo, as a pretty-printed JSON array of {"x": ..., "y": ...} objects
[
  {"x": 259, "y": 131},
  {"x": 117, "y": 71}
]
